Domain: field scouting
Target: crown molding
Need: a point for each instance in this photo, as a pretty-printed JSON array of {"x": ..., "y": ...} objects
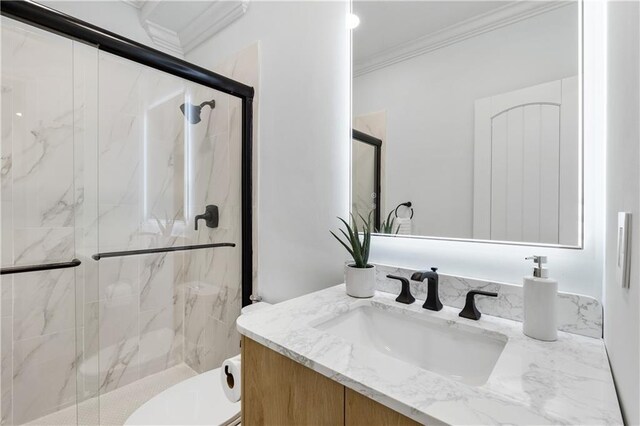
[
  {"x": 498, "y": 18},
  {"x": 146, "y": 9},
  {"x": 167, "y": 40},
  {"x": 137, "y": 4},
  {"x": 218, "y": 16},
  {"x": 155, "y": 18}
]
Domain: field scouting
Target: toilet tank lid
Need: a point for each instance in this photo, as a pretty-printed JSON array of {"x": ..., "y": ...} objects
[{"x": 255, "y": 307}]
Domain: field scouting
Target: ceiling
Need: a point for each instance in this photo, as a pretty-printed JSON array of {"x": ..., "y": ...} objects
[{"x": 386, "y": 24}]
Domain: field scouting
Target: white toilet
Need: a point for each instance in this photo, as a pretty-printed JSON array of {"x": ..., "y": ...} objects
[{"x": 199, "y": 400}]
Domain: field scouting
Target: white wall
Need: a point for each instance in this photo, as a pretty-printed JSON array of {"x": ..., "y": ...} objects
[
  {"x": 304, "y": 138},
  {"x": 429, "y": 102},
  {"x": 622, "y": 320},
  {"x": 578, "y": 271}
]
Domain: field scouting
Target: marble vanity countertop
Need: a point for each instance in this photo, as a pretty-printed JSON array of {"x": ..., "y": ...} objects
[{"x": 564, "y": 382}]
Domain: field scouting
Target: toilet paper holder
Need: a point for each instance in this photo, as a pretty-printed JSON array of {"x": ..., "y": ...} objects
[{"x": 230, "y": 379}]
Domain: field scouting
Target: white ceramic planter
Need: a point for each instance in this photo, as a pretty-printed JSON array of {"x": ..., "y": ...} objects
[{"x": 361, "y": 282}]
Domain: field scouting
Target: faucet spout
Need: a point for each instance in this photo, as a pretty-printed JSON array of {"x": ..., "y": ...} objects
[{"x": 433, "y": 300}]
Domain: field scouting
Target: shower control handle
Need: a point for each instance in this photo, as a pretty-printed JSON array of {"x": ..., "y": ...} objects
[{"x": 210, "y": 216}]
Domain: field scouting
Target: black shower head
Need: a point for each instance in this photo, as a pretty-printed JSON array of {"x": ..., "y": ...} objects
[{"x": 192, "y": 112}]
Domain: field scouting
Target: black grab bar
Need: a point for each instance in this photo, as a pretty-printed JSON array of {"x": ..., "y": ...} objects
[
  {"x": 41, "y": 267},
  {"x": 99, "y": 256}
]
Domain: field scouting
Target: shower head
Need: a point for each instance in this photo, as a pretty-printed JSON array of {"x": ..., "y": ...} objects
[{"x": 192, "y": 112}]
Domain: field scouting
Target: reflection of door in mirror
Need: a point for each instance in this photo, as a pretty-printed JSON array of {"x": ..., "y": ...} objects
[
  {"x": 365, "y": 172},
  {"x": 526, "y": 171}
]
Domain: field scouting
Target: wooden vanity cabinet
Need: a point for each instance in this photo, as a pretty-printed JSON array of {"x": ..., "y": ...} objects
[
  {"x": 279, "y": 391},
  {"x": 360, "y": 410}
]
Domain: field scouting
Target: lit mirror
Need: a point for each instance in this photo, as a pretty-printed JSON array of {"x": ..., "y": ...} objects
[{"x": 475, "y": 111}]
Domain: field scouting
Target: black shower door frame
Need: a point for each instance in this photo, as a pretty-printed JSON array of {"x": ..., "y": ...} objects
[
  {"x": 377, "y": 172},
  {"x": 67, "y": 26}
]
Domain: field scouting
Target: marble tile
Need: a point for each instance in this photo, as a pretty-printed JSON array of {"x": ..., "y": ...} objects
[
  {"x": 164, "y": 157},
  {"x": 223, "y": 341},
  {"x": 210, "y": 314},
  {"x": 44, "y": 303},
  {"x": 42, "y": 139},
  {"x": 88, "y": 347},
  {"x": 119, "y": 342},
  {"x": 6, "y": 293},
  {"x": 6, "y": 176},
  {"x": 120, "y": 82},
  {"x": 117, "y": 277},
  {"x": 244, "y": 66},
  {"x": 43, "y": 375},
  {"x": 42, "y": 244},
  {"x": 119, "y": 227},
  {"x": 218, "y": 120},
  {"x": 159, "y": 274},
  {"x": 576, "y": 313},
  {"x": 6, "y": 370},
  {"x": 195, "y": 355},
  {"x": 198, "y": 302},
  {"x": 159, "y": 346},
  {"x": 119, "y": 159}
]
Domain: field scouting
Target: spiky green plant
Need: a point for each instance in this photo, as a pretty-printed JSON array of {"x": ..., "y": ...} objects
[
  {"x": 359, "y": 250},
  {"x": 386, "y": 227}
]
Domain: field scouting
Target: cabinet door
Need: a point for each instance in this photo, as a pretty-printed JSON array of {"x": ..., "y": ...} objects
[
  {"x": 364, "y": 411},
  {"x": 279, "y": 391}
]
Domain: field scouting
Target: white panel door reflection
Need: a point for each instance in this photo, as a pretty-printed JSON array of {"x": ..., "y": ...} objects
[{"x": 526, "y": 174}]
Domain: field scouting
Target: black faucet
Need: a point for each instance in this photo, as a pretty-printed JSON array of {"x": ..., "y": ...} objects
[
  {"x": 433, "y": 301},
  {"x": 470, "y": 310}
]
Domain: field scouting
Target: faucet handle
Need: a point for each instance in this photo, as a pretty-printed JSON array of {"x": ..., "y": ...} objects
[
  {"x": 405, "y": 294},
  {"x": 470, "y": 310}
]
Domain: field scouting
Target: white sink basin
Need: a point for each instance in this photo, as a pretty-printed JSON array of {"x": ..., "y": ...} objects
[{"x": 462, "y": 353}]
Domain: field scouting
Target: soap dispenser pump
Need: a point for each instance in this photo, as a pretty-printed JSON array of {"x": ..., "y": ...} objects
[{"x": 540, "y": 299}]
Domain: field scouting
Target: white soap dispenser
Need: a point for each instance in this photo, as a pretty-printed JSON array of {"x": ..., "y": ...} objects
[{"x": 540, "y": 299}]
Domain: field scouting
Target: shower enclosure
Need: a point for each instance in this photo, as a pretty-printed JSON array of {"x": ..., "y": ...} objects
[{"x": 109, "y": 152}]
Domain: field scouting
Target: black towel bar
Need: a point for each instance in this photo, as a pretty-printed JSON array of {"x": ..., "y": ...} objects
[
  {"x": 99, "y": 256},
  {"x": 41, "y": 267}
]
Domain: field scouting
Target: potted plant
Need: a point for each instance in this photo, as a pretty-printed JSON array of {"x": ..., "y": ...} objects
[{"x": 360, "y": 275}]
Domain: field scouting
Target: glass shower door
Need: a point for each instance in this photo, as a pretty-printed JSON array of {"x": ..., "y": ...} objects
[
  {"x": 102, "y": 156},
  {"x": 41, "y": 195},
  {"x": 167, "y": 148}
]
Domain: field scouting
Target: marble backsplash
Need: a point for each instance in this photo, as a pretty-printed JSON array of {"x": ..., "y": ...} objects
[{"x": 577, "y": 314}]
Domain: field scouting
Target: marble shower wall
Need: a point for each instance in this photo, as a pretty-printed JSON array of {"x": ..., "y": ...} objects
[
  {"x": 97, "y": 157},
  {"x": 213, "y": 289}
]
